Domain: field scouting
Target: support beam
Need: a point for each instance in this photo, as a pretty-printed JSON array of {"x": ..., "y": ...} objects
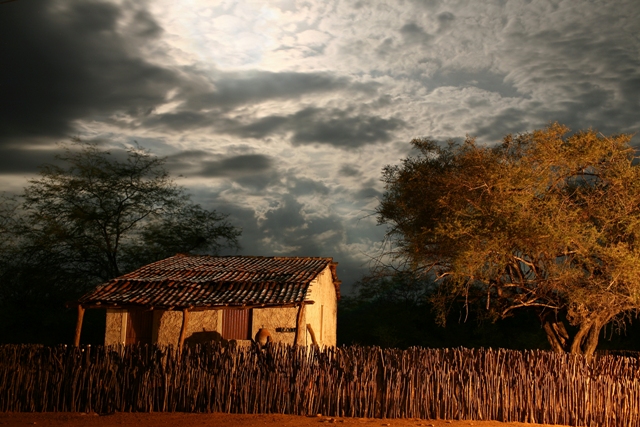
[
  {"x": 76, "y": 338},
  {"x": 299, "y": 338},
  {"x": 183, "y": 330},
  {"x": 313, "y": 335}
]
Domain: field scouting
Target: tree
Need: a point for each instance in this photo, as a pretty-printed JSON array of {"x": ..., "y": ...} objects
[
  {"x": 93, "y": 217},
  {"x": 106, "y": 216},
  {"x": 546, "y": 221}
]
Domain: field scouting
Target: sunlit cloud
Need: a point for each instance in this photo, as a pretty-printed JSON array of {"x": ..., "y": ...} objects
[{"x": 283, "y": 113}]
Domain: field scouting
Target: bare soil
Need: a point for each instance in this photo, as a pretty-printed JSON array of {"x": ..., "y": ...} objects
[{"x": 178, "y": 419}]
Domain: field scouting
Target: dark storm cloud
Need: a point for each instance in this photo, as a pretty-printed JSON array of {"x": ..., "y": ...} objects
[
  {"x": 15, "y": 160},
  {"x": 338, "y": 128},
  {"x": 237, "y": 165},
  {"x": 482, "y": 79},
  {"x": 257, "y": 183},
  {"x": 180, "y": 121},
  {"x": 75, "y": 61},
  {"x": 188, "y": 156},
  {"x": 287, "y": 225},
  {"x": 145, "y": 26},
  {"x": 580, "y": 80},
  {"x": 349, "y": 170},
  {"x": 286, "y": 215},
  {"x": 260, "y": 128},
  {"x": 199, "y": 163},
  {"x": 68, "y": 61},
  {"x": 250, "y": 87},
  {"x": 445, "y": 20},
  {"x": 413, "y": 33},
  {"x": 367, "y": 193},
  {"x": 204, "y": 107},
  {"x": 254, "y": 172},
  {"x": 510, "y": 120},
  {"x": 300, "y": 186},
  {"x": 26, "y": 160}
]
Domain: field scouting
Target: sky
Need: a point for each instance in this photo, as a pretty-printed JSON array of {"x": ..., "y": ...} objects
[{"x": 283, "y": 113}]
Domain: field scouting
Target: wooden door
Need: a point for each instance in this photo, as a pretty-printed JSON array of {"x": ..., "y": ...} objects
[
  {"x": 236, "y": 324},
  {"x": 139, "y": 326}
]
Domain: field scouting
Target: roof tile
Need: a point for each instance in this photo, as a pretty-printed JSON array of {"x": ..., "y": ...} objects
[{"x": 191, "y": 281}]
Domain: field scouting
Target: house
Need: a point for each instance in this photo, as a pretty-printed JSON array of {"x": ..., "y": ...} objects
[{"x": 196, "y": 298}]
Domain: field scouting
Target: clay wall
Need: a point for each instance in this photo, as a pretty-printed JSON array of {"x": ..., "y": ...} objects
[
  {"x": 170, "y": 323},
  {"x": 116, "y": 324},
  {"x": 273, "y": 319},
  {"x": 323, "y": 314}
]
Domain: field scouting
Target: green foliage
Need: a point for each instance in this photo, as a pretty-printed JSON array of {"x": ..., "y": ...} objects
[
  {"x": 544, "y": 221},
  {"x": 87, "y": 220}
]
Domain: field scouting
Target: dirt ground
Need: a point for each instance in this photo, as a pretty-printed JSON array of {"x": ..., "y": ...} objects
[{"x": 221, "y": 420}]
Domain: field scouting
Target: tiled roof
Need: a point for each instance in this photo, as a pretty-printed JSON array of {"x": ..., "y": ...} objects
[{"x": 192, "y": 281}]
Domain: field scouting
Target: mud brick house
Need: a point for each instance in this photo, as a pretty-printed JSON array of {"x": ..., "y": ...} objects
[{"x": 196, "y": 298}]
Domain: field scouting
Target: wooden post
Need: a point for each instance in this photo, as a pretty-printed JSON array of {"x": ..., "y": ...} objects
[
  {"x": 313, "y": 335},
  {"x": 300, "y": 331},
  {"x": 76, "y": 338},
  {"x": 183, "y": 330}
]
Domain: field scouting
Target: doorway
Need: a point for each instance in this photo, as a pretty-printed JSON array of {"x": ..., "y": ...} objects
[
  {"x": 139, "y": 326},
  {"x": 236, "y": 324}
]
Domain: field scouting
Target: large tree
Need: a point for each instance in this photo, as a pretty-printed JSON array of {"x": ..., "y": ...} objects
[
  {"x": 547, "y": 221},
  {"x": 106, "y": 216},
  {"x": 88, "y": 218}
]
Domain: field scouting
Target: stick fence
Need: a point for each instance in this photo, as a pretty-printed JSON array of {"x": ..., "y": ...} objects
[{"x": 484, "y": 384}]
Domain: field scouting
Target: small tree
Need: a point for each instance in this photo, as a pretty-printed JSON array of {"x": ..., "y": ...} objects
[{"x": 545, "y": 221}]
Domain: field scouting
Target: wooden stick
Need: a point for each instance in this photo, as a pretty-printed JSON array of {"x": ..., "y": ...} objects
[
  {"x": 76, "y": 338},
  {"x": 183, "y": 330}
]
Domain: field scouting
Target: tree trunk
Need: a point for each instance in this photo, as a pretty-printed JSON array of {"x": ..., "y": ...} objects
[
  {"x": 557, "y": 334},
  {"x": 589, "y": 347},
  {"x": 584, "y": 342},
  {"x": 578, "y": 339}
]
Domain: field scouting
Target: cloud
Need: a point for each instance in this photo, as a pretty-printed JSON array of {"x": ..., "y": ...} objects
[
  {"x": 414, "y": 34},
  {"x": 199, "y": 163},
  {"x": 21, "y": 160},
  {"x": 368, "y": 193},
  {"x": 311, "y": 125},
  {"x": 304, "y": 186},
  {"x": 243, "y": 164},
  {"x": 349, "y": 170},
  {"x": 232, "y": 89},
  {"x": 292, "y": 228},
  {"x": 342, "y": 130},
  {"x": 71, "y": 60},
  {"x": 179, "y": 121},
  {"x": 483, "y": 79},
  {"x": 284, "y": 114}
]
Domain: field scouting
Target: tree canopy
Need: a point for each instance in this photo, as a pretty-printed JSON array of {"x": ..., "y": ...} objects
[
  {"x": 94, "y": 216},
  {"x": 547, "y": 221}
]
